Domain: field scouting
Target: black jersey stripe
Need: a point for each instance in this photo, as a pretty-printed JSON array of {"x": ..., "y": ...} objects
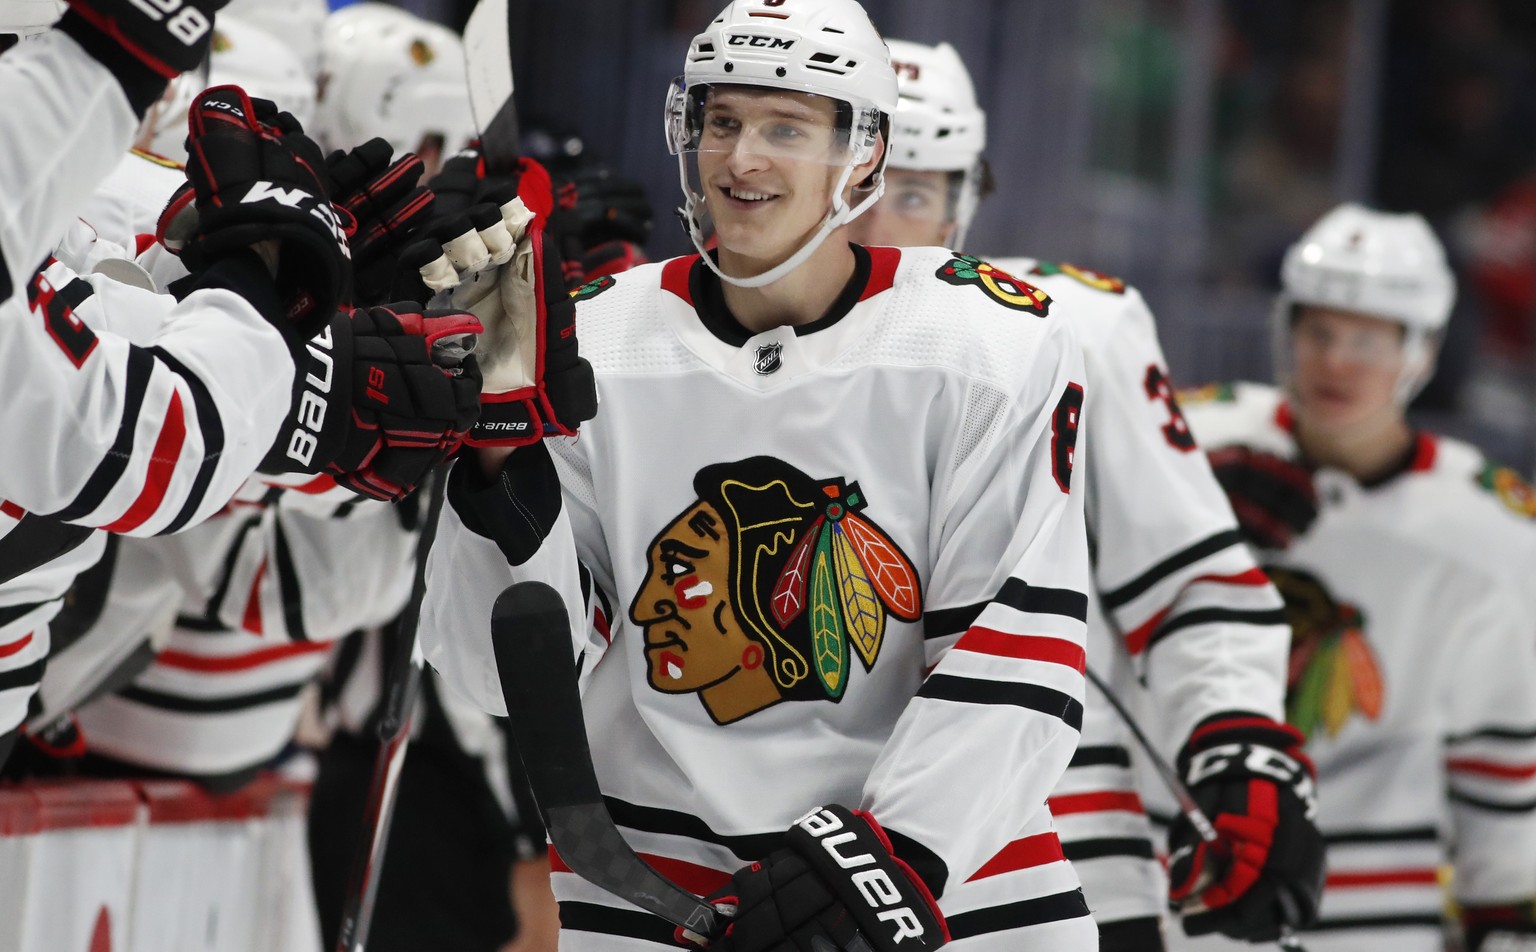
[
  {"x": 1101, "y": 755},
  {"x": 591, "y": 917},
  {"x": 1019, "y": 915},
  {"x": 947, "y": 622},
  {"x": 1035, "y": 697},
  {"x": 1493, "y": 733},
  {"x": 11, "y": 613},
  {"x": 746, "y": 846},
  {"x": 1184, "y": 558},
  {"x": 1260, "y": 617},
  {"x": 1409, "y": 834},
  {"x": 211, "y": 705},
  {"x": 1016, "y": 594},
  {"x": 289, "y": 588},
  {"x": 1397, "y": 921},
  {"x": 1101, "y": 847},
  {"x": 27, "y": 677},
  {"x": 210, "y": 425},
  {"x": 1493, "y": 806},
  {"x": 112, "y": 466},
  {"x": 210, "y": 620}
]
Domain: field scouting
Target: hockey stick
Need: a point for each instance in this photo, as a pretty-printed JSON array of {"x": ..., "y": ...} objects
[
  {"x": 531, "y": 635},
  {"x": 488, "y": 67},
  {"x": 1289, "y": 914}
]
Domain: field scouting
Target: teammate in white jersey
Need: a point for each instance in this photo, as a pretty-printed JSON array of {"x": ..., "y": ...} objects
[
  {"x": 1407, "y": 584},
  {"x": 823, "y": 538},
  {"x": 1178, "y": 600}
]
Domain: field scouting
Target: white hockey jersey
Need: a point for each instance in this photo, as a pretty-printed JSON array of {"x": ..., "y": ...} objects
[
  {"x": 126, "y": 209},
  {"x": 1179, "y": 603},
  {"x": 1411, "y": 675},
  {"x": 844, "y": 562}
]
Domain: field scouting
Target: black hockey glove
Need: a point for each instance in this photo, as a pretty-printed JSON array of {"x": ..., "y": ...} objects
[
  {"x": 389, "y": 207},
  {"x": 1249, "y": 776},
  {"x": 600, "y": 219},
  {"x": 1273, "y": 498},
  {"x": 499, "y": 264},
  {"x": 834, "y": 887},
  {"x": 256, "y": 178},
  {"x": 143, "y": 42},
  {"x": 387, "y": 394},
  {"x": 1510, "y": 928}
]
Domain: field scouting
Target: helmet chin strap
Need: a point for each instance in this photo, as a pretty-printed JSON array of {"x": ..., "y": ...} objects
[{"x": 837, "y": 216}]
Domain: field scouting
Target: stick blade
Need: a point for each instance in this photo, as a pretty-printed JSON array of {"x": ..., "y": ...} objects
[{"x": 488, "y": 68}]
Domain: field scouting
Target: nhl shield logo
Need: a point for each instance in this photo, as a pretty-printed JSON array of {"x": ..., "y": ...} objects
[{"x": 769, "y": 358}]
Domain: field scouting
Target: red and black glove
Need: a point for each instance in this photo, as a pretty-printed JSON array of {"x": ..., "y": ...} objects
[
  {"x": 1508, "y": 928},
  {"x": 600, "y": 220},
  {"x": 1273, "y": 498},
  {"x": 143, "y": 43},
  {"x": 255, "y": 177},
  {"x": 388, "y": 393},
  {"x": 834, "y": 887},
  {"x": 1249, "y": 775},
  {"x": 390, "y": 208}
]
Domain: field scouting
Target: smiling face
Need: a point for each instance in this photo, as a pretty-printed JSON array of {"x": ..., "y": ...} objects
[
  {"x": 1346, "y": 368},
  {"x": 914, "y": 212},
  {"x": 768, "y": 161}
]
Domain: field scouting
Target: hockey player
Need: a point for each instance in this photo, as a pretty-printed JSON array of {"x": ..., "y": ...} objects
[
  {"x": 1178, "y": 600},
  {"x": 1407, "y": 584},
  {"x": 389, "y": 73},
  {"x": 823, "y": 539}
]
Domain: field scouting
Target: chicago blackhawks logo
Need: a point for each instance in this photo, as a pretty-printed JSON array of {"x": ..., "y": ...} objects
[
  {"x": 1333, "y": 672},
  {"x": 1515, "y": 493},
  {"x": 1000, "y": 286},
  {"x": 1097, "y": 280},
  {"x": 593, "y": 288},
  {"x": 766, "y": 588}
]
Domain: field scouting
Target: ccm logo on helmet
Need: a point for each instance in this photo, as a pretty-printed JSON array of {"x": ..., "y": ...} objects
[
  {"x": 762, "y": 42},
  {"x": 874, "y": 884}
]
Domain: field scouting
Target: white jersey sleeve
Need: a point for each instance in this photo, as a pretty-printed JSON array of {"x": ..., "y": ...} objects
[
  {"x": 1010, "y": 573},
  {"x": 133, "y": 412},
  {"x": 64, "y": 126}
]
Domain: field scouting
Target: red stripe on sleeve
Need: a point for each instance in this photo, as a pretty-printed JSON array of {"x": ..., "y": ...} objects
[
  {"x": 1037, "y": 850},
  {"x": 1101, "y": 801},
  {"x": 162, "y": 467},
  {"x": 11, "y": 509},
  {"x": 1489, "y": 768},
  {"x": 1136, "y": 640},
  {"x": 10, "y": 648},
  {"x": 251, "y": 621},
  {"x": 1383, "y": 877},
  {"x": 701, "y": 880},
  {"x": 185, "y": 661},
  {"x": 988, "y": 641}
]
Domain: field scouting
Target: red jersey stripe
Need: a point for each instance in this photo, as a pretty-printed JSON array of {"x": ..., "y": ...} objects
[
  {"x": 251, "y": 621},
  {"x": 162, "y": 466},
  {"x": 11, "y": 509},
  {"x": 1341, "y": 879},
  {"x": 701, "y": 880},
  {"x": 1037, "y": 850},
  {"x": 988, "y": 641},
  {"x": 1489, "y": 768},
  {"x": 1100, "y": 801},
  {"x": 185, "y": 661},
  {"x": 11, "y": 647},
  {"x": 1136, "y": 640}
]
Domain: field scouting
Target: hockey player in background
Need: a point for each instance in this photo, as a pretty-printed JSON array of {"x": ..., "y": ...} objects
[
  {"x": 1178, "y": 601},
  {"x": 822, "y": 547},
  {"x": 1407, "y": 584}
]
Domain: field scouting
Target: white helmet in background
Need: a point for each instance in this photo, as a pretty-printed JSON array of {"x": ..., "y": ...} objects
[
  {"x": 29, "y": 17},
  {"x": 1380, "y": 264},
  {"x": 823, "y": 47},
  {"x": 938, "y": 126},
  {"x": 390, "y": 73},
  {"x": 298, "y": 22},
  {"x": 251, "y": 58}
]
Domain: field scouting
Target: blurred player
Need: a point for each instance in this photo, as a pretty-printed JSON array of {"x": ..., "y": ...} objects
[{"x": 1179, "y": 602}]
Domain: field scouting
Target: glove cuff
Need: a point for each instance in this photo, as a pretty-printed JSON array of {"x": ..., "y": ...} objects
[
  {"x": 1243, "y": 727},
  {"x": 142, "y": 85}
]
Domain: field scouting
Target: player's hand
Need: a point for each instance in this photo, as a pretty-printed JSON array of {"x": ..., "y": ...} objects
[
  {"x": 1250, "y": 777},
  {"x": 254, "y": 176},
  {"x": 163, "y": 37},
  {"x": 388, "y": 393},
  {"x": 1273, "y": 498},
  {"x": 834, "y": 886},
  {"x": 498, "y": 264},
  {"x": 390, "y": 208},
  {"x": 1510, "y": 928},
  {"x": 601, "y": 219}
]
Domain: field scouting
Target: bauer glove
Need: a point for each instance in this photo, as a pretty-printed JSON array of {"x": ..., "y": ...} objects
[
  {"x": 386, "y": 395},
  {"x": 1249, "y": 776},
  {"x": 834, "y": 887},
  {"x": 1273, "y": 498}
]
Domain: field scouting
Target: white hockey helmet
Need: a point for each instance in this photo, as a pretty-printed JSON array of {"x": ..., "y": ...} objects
[
  {"x": 391, "y": 73},
  {"x": 243, "y": 55},
  {"x": 1376, "y": 263},
  {"x": 298, "y": 22},
  {"x": 29, "y": 17},
  {"x": 822, "y": 47},
  {"x": 938, "y": 125}
]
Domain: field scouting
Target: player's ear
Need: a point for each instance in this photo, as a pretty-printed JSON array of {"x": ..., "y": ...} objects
[{"x": 863, "y": 172}]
